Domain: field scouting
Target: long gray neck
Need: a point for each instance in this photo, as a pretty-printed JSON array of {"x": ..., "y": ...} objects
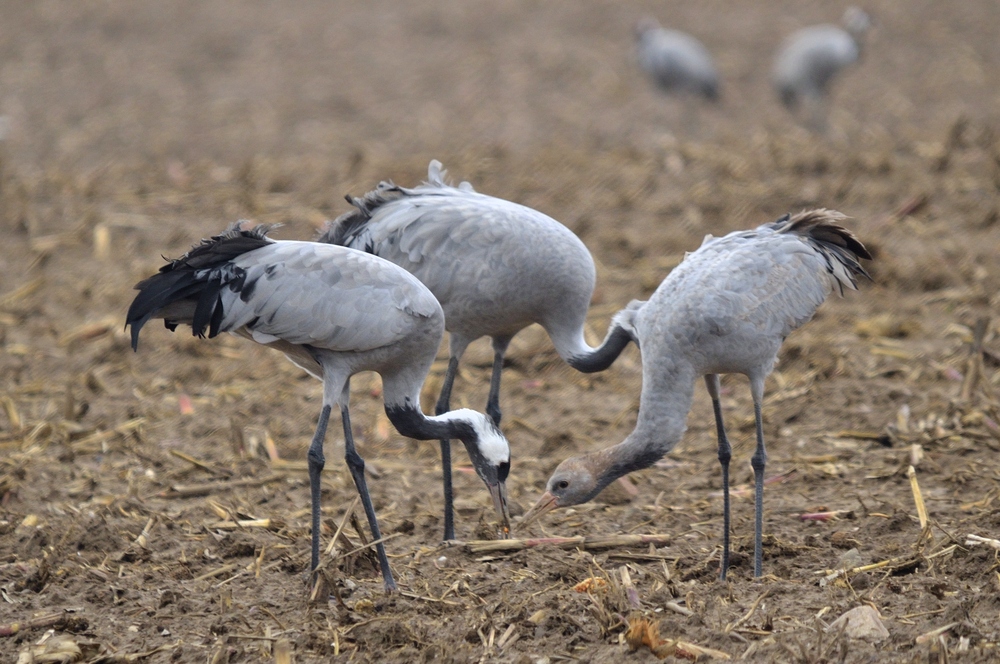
[
  {"x": 589, "y": 360},
  {"x": 663, "y": 408}
]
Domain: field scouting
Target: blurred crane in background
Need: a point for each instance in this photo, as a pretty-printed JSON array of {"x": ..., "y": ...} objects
[
  {"x": 679, "y": 65},
  {"x": 809, "y": 60}
]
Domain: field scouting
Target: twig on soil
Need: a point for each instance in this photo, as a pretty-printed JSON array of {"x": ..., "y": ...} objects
[
  {"x": 972, "y": 540},
  {"x": 630, "y": 592},
  {"x": 368, "y": 545},
  {"x": 143, "y": 538},
  {"x": 587, "y": 543},
  {"x": 918, "y": 498},
  {"x": 340, "y": 528},
  {"x": 194, "y": 490},
  {"x": 267, "y": 524},
  {"x": 49, "y": 620},
  {"x": 974, "y": 363},
  {"x": 737, "y": 492},
  {"x": 87, "y": 443},
  {"x": 898, "y": 562},
  {"x": 429, "y": 599},
  {"x": 197, "y": 463},
  {"x": 746, "y": 616},
  {"x": 823, "y": 516},
  {"x": 934, "y": 633},
  {"x": 225, "y": 569},
  {"x": 677, "y": 608}
]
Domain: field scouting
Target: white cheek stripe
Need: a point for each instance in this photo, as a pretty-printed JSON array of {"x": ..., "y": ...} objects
[{"x": 492, "y": 444}]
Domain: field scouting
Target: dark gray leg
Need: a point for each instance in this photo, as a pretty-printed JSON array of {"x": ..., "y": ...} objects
[
  {"x": 493, "y": 401},
  {"x": 443, "y": 406},
  {"x": 725, "y": 454},
  {"x": 758, "y": 461},
  {"x": 357, "y": 466},
  {"x": 316, "y": 462}
]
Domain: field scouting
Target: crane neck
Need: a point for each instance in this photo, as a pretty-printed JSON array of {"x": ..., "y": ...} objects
[
  {"x": 663, "y": 408},
  {"x": 411, "y": 422},
  {"x": 582, "y": 357}
]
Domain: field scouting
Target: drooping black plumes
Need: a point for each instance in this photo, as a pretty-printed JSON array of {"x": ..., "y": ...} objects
[
  {"x": 839, "y": 246},
  {"x": 187, "y": 289},
  {"x": 345, "y": 229}
]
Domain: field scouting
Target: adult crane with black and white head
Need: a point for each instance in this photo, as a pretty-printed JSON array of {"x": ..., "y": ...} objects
[
  {"x": 334, "y": 312},
  {"x": 495, "y": 266},
  {"x": 811, "y": 58},
  {"x": 726, "y": 308}
]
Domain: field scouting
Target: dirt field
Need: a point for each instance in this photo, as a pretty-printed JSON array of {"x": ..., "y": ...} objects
[{"x": 135, "y": 129}]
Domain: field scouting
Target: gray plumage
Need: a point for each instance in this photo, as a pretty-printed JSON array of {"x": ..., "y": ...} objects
[
  {"x": 811, "y": 58},
  {"x": 495, "y": 266},
  {"x": 726, "y": 308},
  {"x": 677, "y": 62},
  {"x": 334, "y": 312}
]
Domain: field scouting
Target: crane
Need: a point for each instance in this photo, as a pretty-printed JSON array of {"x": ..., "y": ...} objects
[
  {"x": 334, "y": 312},
  {"x": 809, "y": 60},
  {"x": 726, "y": 308},
  {"x": 676, "y": 61},
  {"x": 495, "y": 266}
]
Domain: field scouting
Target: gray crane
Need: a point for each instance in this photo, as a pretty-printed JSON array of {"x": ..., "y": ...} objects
[
  {"x": 677, "y": 62},
  {"x": 334, "y": 312},
  {"x": 809, "y": 60},
  {"x": 495, "y": 266},
  {"x": 726, "y": 308}
]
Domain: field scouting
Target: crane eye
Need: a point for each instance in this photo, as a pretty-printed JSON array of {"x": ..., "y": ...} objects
[{"x": 562, "y": 484}]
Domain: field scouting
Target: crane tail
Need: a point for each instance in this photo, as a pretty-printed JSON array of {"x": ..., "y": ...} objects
[
  {"x": 839, "y": 247},
  {"x": 188, "y": 290}
]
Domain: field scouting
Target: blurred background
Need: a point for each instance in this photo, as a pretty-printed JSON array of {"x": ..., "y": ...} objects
[{"x": 89, "y": 82}]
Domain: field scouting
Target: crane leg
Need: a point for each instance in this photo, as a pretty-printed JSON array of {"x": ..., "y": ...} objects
[
  {"x": 725, "y": 455},
  {"x": 493, "y": 401},
  {"x": 316, "y": 462},
  {"x": 758, "y": 461},
  {"x": 443, "y": 406},
  {"x": 357, "y": 467}
]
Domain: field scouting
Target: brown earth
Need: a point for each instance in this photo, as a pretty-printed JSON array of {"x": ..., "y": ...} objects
[{"x": 137, "y": 128}]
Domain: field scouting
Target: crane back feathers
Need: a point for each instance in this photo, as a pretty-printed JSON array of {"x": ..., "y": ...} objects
[
  {"x": 839, "y": 247},
  {"x": 346, "y": 230},
  {"x": 189, "y": 288}
]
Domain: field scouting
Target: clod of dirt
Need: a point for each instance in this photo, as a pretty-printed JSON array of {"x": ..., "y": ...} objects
[
  {"x": 381, "y": 634},
  {"x": 863, "y": 622}
]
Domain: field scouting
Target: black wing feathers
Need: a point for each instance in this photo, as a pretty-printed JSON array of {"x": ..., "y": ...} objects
[
  {"x": 346, "y": 229},
  {"x": 196, "y": 280}
]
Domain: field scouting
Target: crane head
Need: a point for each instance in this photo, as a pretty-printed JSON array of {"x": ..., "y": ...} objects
[
  {"x": 489, "y": 452},
  {"x": 856, "y": 21},
  {"x": 573, "y": 482}
]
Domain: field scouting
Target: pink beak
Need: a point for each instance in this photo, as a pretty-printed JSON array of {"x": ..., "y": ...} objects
[{"x": 546, "y": 503}]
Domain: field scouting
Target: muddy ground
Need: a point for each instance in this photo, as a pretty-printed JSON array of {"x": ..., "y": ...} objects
[{"x": 134, "y": 129}]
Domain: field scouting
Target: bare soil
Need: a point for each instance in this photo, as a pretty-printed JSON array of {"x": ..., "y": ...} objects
[{"x": 137, "y": 128}]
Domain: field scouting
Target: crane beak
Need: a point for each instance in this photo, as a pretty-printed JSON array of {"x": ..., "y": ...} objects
[
  {"x": 546, "y": 503},
  {"x": 499, "y": 494}
]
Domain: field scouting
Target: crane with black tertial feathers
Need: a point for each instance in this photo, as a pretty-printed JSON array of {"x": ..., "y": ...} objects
[
  {"x": 334, "y": 312},
  {"x": 726, "y": 308},
  {"x": 495, "y": 266}
]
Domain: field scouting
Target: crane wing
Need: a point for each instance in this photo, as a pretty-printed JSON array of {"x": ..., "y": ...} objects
[
  {"x": 324, "y": 296},
  {"x": 445, "y": 235}
]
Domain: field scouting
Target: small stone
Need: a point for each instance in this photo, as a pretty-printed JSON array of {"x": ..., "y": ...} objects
[
  {"x": 850, "y": 559},
  {"x": 863, "y": 622}
]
